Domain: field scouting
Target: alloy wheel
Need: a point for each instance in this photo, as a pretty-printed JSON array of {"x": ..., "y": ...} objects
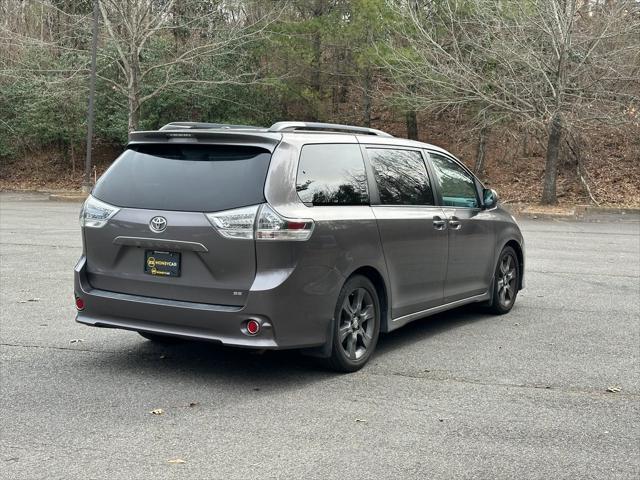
[
  {"x": 357, "y": 323},
  {"x": 507, "y": 279}
]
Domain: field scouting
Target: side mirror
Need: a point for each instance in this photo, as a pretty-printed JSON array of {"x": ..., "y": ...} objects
[{"x": 489, "y": 198}]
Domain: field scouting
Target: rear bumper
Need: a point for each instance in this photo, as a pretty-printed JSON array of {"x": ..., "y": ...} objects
[{"x": 285, "y": 323}]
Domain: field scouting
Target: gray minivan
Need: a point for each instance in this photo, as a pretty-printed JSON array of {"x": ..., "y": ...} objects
[{"x": 302, "y": 235}]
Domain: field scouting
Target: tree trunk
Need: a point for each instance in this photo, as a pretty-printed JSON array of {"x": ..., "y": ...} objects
[
  {"x": 134, "y": 93},
  {"x": 412, "y": 125},
  {"x": 134, "y": 113},
  {"x": 73, "y": 157},
  {"x": 366, "y": 101},
  {"x": 315, "y": 61},
  {"x": 478, "y": 169},
  {"x": 551, "y": 165}
]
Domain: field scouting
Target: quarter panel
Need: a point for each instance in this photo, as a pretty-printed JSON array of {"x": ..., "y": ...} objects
[{"x": 344, "y": 239}]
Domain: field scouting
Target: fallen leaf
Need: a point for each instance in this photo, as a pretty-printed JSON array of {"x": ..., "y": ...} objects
[
  {"x": 157, "y": 411},
  {"x": 76, "y": 340},
  {"x": 614, "y": 389},
  {"x": 176, "y": 460}
]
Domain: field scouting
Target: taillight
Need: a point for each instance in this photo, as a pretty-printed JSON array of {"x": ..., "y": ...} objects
[
  {"x": 260, "y": 222},
  {"x": 271, "y": 226},
  {"x": 237, "y": 223},
  {"x": 95, "y": 213}
]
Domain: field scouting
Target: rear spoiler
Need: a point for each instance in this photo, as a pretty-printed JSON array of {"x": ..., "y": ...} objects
[{"x": 249, "y": 137}]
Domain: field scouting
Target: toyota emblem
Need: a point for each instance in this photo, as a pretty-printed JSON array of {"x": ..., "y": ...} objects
[{"x": 158, "y": 224}]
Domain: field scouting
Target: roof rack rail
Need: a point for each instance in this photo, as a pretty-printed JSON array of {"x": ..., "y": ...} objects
[
  {"x": 325, "y": 127},
  {"x": 205, "y": 126}
]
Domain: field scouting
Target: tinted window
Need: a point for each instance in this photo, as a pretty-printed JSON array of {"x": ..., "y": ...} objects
[
  {"x": 332, "y": 175},
  {"x": 185, "y": 177},
  {"x": 401, "y": 177},
  {"x": 458, "y": 187}
]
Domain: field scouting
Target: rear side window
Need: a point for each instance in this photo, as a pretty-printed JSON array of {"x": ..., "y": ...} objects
[
  {"x": 458, "y": 187},
  {"x": 401, "y": 176},
  {"x": 332, "y": 174},
  {"x": 198, "y": 178}
]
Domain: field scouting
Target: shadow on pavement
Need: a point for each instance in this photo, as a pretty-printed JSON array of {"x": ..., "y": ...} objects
[
  {"x": 211, "y": 363},
  {"x": 421, "y": 329}
]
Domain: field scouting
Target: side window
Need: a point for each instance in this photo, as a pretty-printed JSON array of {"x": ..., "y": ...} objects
[
  {"x": 332, "y": 174},
  {"x": 458, "y": 187},
  {"x": 401, "y": 176}
]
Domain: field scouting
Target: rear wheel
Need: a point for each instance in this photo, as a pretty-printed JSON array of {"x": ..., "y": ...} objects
[
  {"x": 158, "y": 338},
  {"x": 356, "y": 326},
  {"x": 505, "y": 282}
]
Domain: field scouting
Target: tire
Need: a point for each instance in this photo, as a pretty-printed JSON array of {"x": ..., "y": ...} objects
[
  {"x": 162, "y": 339},
  {"x": 356, "y": 326},
  {"x": 506, "y": 280}
]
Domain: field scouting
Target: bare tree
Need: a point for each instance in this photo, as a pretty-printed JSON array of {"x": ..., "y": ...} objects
[
  {"x": 550, "y": 65},
  {"x": 189, "y": 35}
]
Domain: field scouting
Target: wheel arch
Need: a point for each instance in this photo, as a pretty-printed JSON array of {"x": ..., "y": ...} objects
[
  {"x": 375, "y": 277},
  {"x": 520, "y": 254}
]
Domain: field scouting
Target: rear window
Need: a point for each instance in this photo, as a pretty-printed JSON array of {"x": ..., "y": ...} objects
[
  {"x": 332, "y": 174},
  {"x": 198, "y": 178}
]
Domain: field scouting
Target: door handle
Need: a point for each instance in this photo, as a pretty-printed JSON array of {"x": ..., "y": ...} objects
[
  {"x": 439, "y": 223},
  {"x": 454, "y": 223}
]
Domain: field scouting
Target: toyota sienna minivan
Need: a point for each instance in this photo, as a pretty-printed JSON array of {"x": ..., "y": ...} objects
[{"x": 302, "y": 235}]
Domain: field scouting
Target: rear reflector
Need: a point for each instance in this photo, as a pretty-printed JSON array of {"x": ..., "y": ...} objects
[
  {"x": 79, "y": 303},
  {"x": 253, "y": 327}
]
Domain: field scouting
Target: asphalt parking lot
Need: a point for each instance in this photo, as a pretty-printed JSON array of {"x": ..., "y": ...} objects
[{"x": 459, "y": 395}]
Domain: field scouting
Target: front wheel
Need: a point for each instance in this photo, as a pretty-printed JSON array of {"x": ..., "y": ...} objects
[
  {"x": 505, "y": 282},
  {"x": 356, "y": 325}
]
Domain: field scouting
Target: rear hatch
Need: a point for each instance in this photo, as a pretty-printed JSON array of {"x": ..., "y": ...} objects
[{"x": 160, "y": 243}]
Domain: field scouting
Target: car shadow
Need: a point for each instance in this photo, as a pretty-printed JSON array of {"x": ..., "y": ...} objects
[
  {"x": 211, "y": 364},
  {"x": 193, "y": 361},
  {"x": 423, "y": 328}
]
